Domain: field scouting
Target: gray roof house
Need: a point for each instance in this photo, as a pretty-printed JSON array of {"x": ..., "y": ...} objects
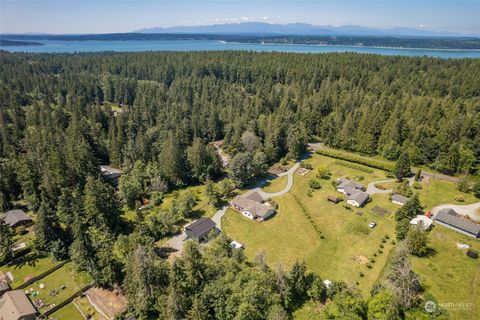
[
  {"x": 252, "y": 206},
  {"x": 345, "y": 184},
  {"x": 451, "y": 219},
  {"x": 357, "y": 198},
  {"x": 111, "y": 173},
  {"x": 16, "y": 218},
  {"x": 15, "y": 305},
  {"x": 399, "y": 199},
  {"x": 199, "y": 229}
]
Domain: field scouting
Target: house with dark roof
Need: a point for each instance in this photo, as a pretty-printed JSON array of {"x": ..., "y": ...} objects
[
  {"x": 252, "y": 206},
  {"x": 16, "y": 218},
  {"x": 199, "y": 229},
  {"x": 451, "y": 219},
  {"x": 357, "y": 198},
  {"x": 399, "y": 199},
  {"x": 111, "y": 173},
  {"x": 15, "y": 305}
]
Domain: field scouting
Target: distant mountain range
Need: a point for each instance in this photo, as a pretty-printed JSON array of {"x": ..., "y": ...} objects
[{"x": 300, "y": 29}]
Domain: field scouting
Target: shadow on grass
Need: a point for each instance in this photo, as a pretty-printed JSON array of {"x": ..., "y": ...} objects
[{"x": 30, "y": 259}]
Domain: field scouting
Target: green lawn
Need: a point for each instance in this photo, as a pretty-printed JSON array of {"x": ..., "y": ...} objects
[
  {"x": 83, "y": 303},
  {"x": 69, "y": 312},
  {"x": 276, "y": 184},
  {"x": 436, "y": 192},
  {"x": 449, "y": 274},
  {"x": 29, "y": 266},
  {"x": 386, "y": 185},
  {"x": 347, "y": 244},
  {"x": 74, "y": 281}
]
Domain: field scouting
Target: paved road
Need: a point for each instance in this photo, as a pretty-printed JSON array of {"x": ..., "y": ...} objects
[
  {"x": 289, "y": 174},
  {"x": 217, "y": 218},
  {"x": 465, "y": 210},
  {"x": 372, "y": 189}
]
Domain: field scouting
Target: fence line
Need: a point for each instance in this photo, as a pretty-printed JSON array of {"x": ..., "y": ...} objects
[{"x": 43, "y": 275}]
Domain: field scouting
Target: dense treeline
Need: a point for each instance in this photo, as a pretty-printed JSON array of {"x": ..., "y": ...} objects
[{"x": 154, "y": 114}]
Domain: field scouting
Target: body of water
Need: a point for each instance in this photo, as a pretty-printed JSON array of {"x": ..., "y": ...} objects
[{"x": 208, "y": 45}]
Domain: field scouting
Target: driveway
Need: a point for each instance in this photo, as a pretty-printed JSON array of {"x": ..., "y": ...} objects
[
  {"x": 289, "y": 174},
  {"x": 470, "y": 210},
  {"x": 217, "y": 217},
  {"x": 176, "y": 242},
  {"x": 372, "y": 189}
]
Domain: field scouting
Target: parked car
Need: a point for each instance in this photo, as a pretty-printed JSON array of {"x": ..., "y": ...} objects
[{"x": 372, "y": 225}]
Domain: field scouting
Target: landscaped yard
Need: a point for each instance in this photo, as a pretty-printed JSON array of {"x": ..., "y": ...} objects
[
  {"x": 450, "y": 275},
  {"x": 27, "y": 267},
  {"x": 69, "y": 312},
  {"x": 348, "y": 246},
  {"x": 66, "y": 276}
]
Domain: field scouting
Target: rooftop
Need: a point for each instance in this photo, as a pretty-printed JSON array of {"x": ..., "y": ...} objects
[
  {"x": 201, "y": 226},
  {"x": 399, "y": 198},
  {"x": 14, "y": 216},
  {"x": 15, "y": 305},
  {"x": 450, "y": 217}
]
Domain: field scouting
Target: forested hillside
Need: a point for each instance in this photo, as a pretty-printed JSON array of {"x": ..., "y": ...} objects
[{"x": 153, "y": 115}]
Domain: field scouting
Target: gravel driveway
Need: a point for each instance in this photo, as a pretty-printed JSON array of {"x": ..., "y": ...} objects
[{"x": 470, "y": 210}]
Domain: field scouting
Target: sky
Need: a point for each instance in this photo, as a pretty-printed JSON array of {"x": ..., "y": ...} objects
[{"x": 106, "y": 16}]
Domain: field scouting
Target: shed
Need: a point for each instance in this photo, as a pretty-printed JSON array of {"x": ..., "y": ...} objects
[
  {"x": 199, "y": 229},
  {"x": 399, "y": 199},
  {"x": 333, "y": 199}
]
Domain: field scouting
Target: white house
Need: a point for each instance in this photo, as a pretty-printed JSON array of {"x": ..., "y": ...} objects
[
  {"x": 399, "y": 199},
  {"x": 251, "y": 205},
  {"x": 422, "y": 221}
]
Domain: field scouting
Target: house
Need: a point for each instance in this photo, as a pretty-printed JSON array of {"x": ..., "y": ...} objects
[
  {"x": 16, "y": 218},
  {"x": 422, "y": 221},
  {"x": 451, "y": 219},
  {"x": 4, "y": 287},
  {"x": 15, "y": 305},
  {"x": 399, "y": 199},
  {"x": 343, "y": 185},
  {"x": 333, "y": 199},
  {"x": 356, "y": 198},
  {"x": 252, "y": 206},
  {"x": 199, "y": 229},
  {"x": 111, "y": 173}
]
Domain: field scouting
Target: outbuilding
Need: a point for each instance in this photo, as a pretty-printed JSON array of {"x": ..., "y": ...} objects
[
  {"x": 199, "y": 229},
  {"x": 451, "y": 219},
  {"x": 399, "y": 199},
  {"x": 16, "y": 218}
]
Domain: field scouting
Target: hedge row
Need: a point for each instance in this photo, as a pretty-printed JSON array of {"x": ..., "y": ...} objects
[
  {"x": 309, "y": 217},
  {"x": 343, "y": 155},
  {"x": 354, "y": 166}
]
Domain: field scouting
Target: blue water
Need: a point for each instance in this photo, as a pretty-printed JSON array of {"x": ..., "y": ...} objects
[{"x": 206, "y": 45}]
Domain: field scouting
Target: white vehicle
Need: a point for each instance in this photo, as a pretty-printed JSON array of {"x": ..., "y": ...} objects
[
  {"x": 236, "y": 245},
  {"x": 372, "y": 225}
]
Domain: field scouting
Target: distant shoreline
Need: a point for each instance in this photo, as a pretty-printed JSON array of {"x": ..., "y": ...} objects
[{"x": 10, "y": 43}]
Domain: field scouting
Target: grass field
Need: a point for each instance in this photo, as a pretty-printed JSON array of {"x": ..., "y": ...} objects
[
  {"x": 69, "y": 312},
  {"x": 67, "y": 276},
  {"x": 450, "y": 275},
  {"x": 348, "y": 245},
  {"x": 28, "y": 266},
  {"x": 276, "y": 185}
]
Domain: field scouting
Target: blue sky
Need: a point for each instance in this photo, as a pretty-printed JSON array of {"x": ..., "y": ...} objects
[{"x": 102, "y": 16}]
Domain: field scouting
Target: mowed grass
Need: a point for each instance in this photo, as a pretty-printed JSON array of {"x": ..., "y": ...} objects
[
  {"x": 276, "y": 185},
  {"x": 30, "y": 265},
  {"x": 449, "y": 274},
  {"x": 348, "y": 244},
  {"x": 436, "y": 192},
  {"x": 69, "y": 312},
  {"x": 67, "y": 276}
]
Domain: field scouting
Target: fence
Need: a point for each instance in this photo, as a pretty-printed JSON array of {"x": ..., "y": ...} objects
[
  {"x": 65, "y": 302},
  {"x": 41, "y": 276}
]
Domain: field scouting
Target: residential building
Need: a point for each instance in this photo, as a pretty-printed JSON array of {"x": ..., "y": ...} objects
[
  {"x": 399, "y": 199},
  {"x": 343, "y": 185},
  {"x": 199, "y": 229},
  {"x": 111, "y": 173},
  {"x": 15, "y": 305},
  {"x": 16, "y": 218},
  {"x": 252, "y": 206},
  {"x": 451, "y": 219}
]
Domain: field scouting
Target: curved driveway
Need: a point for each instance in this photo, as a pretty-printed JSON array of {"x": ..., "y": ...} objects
[
  {"x": 289, "y": 174},
  {"x": 372, "y": 189}
]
